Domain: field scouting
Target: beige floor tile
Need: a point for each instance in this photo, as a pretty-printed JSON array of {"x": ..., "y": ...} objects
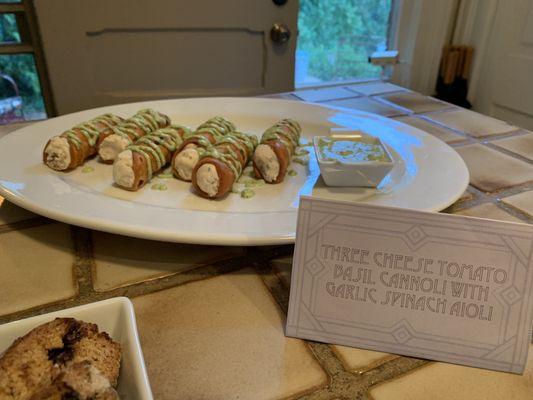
[
  {"x": 36, "y": 267},
  {"x": 122, "y": 260},
  {"x": 522, "y": 145},
  {"x": 475, "y": 124},
  {"x": 360, "y": 360},
  {"x": 356, "y": 360},
  {"x": 222, "y": 338},
  {"x": 10, "y": 213},
  {"x": 368, "y": 105},
  {"x": 416, "y": 102},
  {"x": 370, "y": 89},
  {"x": 522, "y": 201},
  {"x": 440, "y": 381},
  {"x": 444, "y": 134},
  {"x": 331, "y": 93},
  {"x": 489, "y": 211},
  {"x": 491, "y": 170}
]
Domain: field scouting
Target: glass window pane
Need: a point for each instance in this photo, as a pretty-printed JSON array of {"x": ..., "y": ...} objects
[
  {"x": 335, "y": 38},
  {"x": 20, "y": 89},
  {"x": 9, "y": 32}
]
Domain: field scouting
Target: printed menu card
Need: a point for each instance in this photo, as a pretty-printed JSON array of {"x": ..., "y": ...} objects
[{"x": 430, "y": 285}]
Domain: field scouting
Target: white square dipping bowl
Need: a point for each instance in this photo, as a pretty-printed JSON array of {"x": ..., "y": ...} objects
[
  {"x": 357, "y": 173},
  {"x": 114, "y": 316}
]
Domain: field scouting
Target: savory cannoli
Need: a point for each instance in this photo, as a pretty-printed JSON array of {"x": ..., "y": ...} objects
[
  {"x": 188, "y": 154},
  {"x": 70, "y": 149},
  {"x": 273, "y": 156},
  {"x": 136, "y": 165},
  {"x": 142, "y": 123},
  {"x": 221, "y": 165}
]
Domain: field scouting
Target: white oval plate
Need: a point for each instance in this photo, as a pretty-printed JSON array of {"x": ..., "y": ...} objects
[{"x": 428, "y": 175}]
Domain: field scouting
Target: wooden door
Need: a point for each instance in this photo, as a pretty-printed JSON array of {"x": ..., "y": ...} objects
[
  {"x": 505, "y": 87},
  {"x": 102, "y": 52}
]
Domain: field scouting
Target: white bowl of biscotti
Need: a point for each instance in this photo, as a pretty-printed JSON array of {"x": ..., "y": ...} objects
[{"x": 89, "y": 351}]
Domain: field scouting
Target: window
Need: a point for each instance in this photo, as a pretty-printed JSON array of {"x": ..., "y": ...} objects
[
  {"x": 24, "y": 93},
  {"x": 336, "y": 37}
]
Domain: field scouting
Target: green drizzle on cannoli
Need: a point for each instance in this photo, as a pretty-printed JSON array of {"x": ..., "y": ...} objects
[
  {"x": 146, "y": 120},
  {"x": 230, "y": 156},
  {"x": 91, "y": 130},
  {"x": 149, "y": 146}
]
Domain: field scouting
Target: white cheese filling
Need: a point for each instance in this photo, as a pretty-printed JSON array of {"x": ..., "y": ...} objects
[
  {"x": 265, "y": 159},
  {"x": 112, "y": 146},
  {"x": 207, "y": 179},
  {"x": 186, "y": 160},
  {"x": 58, "y": 153},
  {"x": 123, "y": 173}
]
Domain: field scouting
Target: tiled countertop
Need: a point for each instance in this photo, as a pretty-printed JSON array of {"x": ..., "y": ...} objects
[{"x": 211, "y": 319}]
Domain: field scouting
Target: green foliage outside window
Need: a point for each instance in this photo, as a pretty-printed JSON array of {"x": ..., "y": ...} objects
[
  {"x": 336, "y": 37},
  {"x": 20, "y": 67},
  {"x": 8, "y": 29}
]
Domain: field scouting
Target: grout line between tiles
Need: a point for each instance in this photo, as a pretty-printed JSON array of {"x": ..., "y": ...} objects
[
  {"x": 508, "y": 152},
  {"x": 84, "y": 260},
  {"x": 515, "y": 212}
]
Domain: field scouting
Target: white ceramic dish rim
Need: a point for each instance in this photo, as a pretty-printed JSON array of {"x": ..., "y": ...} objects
[
  {"x": 263, "y": 237},
  {"x": 139, "y": 369}
]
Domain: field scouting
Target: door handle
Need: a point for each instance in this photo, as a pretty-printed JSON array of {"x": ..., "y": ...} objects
[{"x": 280, "y": 33}]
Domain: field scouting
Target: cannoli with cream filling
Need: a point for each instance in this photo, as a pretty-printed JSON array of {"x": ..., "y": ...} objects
[
  {"x": 273, "y": 156},
  {"x": 135, "y": 166},
  {"x": 142, "y": 123},
  {"x": 188, "y": 154},
  {"x": 70, "y": 149},
  {"x": 220, "y": 166}
]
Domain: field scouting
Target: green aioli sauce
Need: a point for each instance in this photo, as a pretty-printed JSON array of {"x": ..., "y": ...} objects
[
  {"x": 150, "y": 146},
  {"x": 287, "y": 131},
  {"x": 142, "y": 123},
  {"x": 244, "y": 143},
  {"x": 158, "y": 186},
  {"x": 91, "y": 129},
  {"x": 247, "y": 193},
  {"x": 254, "y": 183},
  {"x": 248, "y": 172},
  {"x": 350, "y": 150},
  {"x": 292, "y": 172},
  {"x": 87, "y": 169}
]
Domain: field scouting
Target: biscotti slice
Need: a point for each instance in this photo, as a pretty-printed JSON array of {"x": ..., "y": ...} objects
[
  {"x": 80, "y": 381},
  {"x": 33, "y": 363}
]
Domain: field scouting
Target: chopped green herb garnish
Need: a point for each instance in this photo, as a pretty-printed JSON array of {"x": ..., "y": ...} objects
[{"x": 247, "y": 193}]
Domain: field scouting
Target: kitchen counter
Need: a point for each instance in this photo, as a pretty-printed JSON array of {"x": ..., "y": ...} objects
[{"x": 211, "y": 319}]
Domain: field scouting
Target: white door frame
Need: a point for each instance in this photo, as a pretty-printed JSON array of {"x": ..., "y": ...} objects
[
  {"x": 474, "y": 25},
  {"x": 420, "y": 29}
]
